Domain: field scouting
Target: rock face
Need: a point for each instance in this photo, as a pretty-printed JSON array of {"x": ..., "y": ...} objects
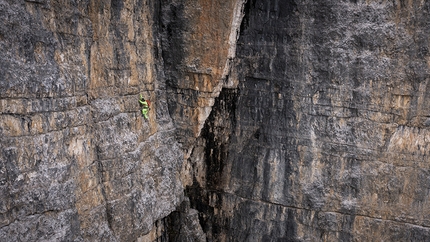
[
  {"x": 199, "y": 42},
  {"x": 324, "y": 138},
  {"x": 78, "y": 160},
  {"x": 270, "y": 120}
]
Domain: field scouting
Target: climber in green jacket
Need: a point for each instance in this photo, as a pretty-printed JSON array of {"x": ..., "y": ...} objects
[{"x": 145, "y": 106}]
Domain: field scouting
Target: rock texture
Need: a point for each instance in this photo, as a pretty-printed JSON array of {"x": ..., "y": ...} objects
[
  {"x": 199, "y": 42},
  {"x": 78, "y": 161},
  {"x": 324, "y": 138},
  {"x": 270, "y": 120}
]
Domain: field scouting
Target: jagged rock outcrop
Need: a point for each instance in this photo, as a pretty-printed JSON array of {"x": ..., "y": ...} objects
[
  {"x": 199, "y": 42},
  {"x": 270, "y": 120}
]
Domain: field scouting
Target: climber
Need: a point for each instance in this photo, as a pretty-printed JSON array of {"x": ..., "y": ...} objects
[{"x": 145, "y": 106}]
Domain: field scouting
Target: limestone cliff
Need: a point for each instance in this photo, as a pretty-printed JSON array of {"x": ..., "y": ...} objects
[
  {"x": 324, "y": 138},
  {"x": 270, "y": 120},
  {"x": 78, "y": 160}
]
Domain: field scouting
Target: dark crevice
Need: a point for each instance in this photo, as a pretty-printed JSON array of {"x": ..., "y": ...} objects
[
  {"x": 216, "y": 154},
  {"x": 247, "y": 9},
  {"x": 42, "y": 2},
  {"x": 108, "y": 211}
]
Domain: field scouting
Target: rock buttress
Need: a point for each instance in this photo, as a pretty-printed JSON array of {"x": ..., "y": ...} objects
[{"x": 199, "y": 41}]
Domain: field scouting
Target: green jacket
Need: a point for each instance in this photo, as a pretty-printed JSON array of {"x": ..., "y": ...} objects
[{"x": 145, "y": 107}]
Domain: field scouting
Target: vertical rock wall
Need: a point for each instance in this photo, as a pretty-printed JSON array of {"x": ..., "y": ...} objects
[
  {"x": 325, "y": 136},
  {"x": 199, "y": 41},
  {"x": 310, "y": 124},
  {"x": 78, "y": 160}
]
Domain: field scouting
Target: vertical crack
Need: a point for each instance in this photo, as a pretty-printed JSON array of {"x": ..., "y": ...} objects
[{"x": 108, "y": 211}]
